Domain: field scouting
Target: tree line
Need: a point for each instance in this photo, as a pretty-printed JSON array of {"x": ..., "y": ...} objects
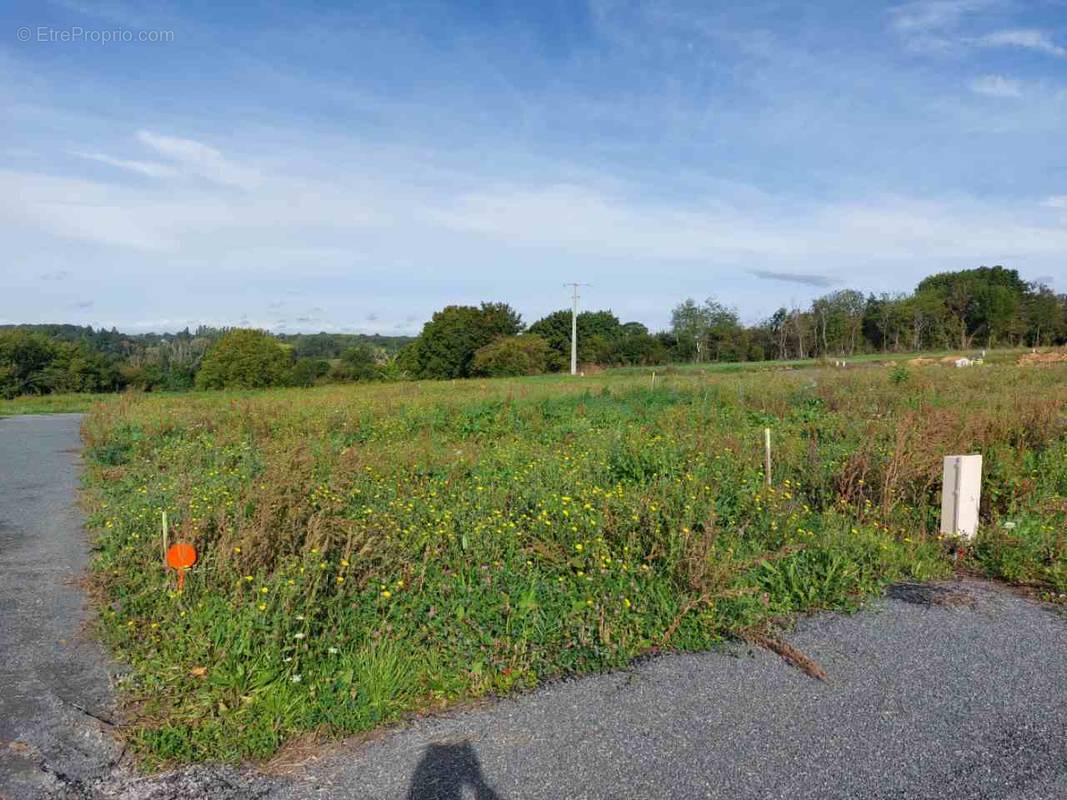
[
  {"x": 46, "y": 359},
  {"x": 983, "y": 307}
]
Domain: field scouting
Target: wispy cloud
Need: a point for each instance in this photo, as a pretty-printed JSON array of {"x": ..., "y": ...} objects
[
  {"x": 200, "y": 159},
  {"x": 997, "y": 86},
  {"x": 1025, "y": 38},
  {"x": 1056, "y": 201},
  {"x": 148, "y": 168},
  {"x": 930, "y": 25},
  {"x": 804, "y": 279},
  {"x": 925, "y": 16}
]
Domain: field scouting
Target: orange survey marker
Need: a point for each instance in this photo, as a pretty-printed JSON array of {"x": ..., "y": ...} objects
[{"x": 181, "y": 556}]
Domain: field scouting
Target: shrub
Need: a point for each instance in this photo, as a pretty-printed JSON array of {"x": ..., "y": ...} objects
[
  {"x": 244, "y": 359},
  {"x": 511, "y": 356}
]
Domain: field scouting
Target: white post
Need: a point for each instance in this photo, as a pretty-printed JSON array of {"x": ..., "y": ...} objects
[
  {"x": 767, "y": 456},
  {"x": 574, "y": 332},
  {"x": 574, "y": 325},
  {"x": 166, "y": 532},
  {"x": 961, "y": 492}
]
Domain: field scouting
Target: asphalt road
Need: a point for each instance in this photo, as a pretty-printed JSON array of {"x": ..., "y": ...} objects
[
  {"x": 53, "y": 676},
  {"x": 936, "y": 692}
]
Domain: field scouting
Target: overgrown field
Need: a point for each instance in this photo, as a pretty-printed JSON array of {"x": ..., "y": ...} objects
[{"x": 367, "y": 552}]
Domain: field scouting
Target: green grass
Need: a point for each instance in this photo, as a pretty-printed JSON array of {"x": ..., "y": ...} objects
[
  {"x": 50, "y": 404},
  {"x": 369, "y": 552}
]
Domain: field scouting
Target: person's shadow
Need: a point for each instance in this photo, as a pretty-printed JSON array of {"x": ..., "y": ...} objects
[{"x": 445, "y": 770}]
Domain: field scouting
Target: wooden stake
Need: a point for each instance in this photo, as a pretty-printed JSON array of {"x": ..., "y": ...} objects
[
  {"x": 165, "y": 537},
  {"x": 767, "y": 455},
  {"x": 653, "y": 379}
]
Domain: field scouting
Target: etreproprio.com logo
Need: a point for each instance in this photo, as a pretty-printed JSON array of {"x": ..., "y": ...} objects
[{"x": 77, "y": 34}]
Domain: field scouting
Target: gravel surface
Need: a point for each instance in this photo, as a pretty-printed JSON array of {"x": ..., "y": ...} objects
[
  {"x": 951, "y": 691},
  {"x": 954, "y": 690}
]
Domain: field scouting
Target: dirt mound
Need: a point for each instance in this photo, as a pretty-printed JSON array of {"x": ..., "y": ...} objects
[{"x": 1051, "y": 357}]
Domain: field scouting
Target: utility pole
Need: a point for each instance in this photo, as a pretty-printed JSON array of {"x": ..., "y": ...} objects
[{"x": 574, "y": 325}]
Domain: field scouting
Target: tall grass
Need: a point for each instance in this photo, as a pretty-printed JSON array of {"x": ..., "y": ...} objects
[{"x": 368, "y": 552}]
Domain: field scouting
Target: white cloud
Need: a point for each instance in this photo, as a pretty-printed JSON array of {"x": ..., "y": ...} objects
[
  {"x": 1056, "y": 201},
  {"x": 925, "y": 16},
  {"x": 929, "y": 25},
  {"x": 74, "y": 209},
  {"x": 200, "y": 159},
  {"x": 149, "y": 168},
  {"x": 832, "y": 236},
  {"x": 997, "y": 86},
  {"x": 1026, "y": 38}
]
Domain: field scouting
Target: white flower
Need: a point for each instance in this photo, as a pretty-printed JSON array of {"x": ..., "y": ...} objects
[
  {"x": 295, "y": 679},
  {"x": 332, "y": 651},
  {"x": 1009, "y": 525},
  {"x": 298, "y": 635},
  {"x": 287, "y": 659}
]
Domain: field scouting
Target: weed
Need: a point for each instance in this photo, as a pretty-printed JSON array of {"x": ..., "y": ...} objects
[{"x": 368, "y": 552}]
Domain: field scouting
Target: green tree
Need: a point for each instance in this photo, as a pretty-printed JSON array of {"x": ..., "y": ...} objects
[
  {"x": 358, "y": 363},
  {"x": 32, "y": 362},
  {"x": 1043, "y": 315},
  {"x": 709, "y": 330},
  {"x": 598, "y": 333},
  {"x": 244, "y": 359},
  {"x": 307, "y": 371},
  {"x": 24, "y": 357},
  {"x": 506, "y": 356},
  {"x": 980, "y": 302},
  {"x": 446, "y": 346}
]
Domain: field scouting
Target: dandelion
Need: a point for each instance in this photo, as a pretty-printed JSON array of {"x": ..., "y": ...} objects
[
  {"x": 344, "y": 562},
  {"x": 237, "y": 549},
  {"x": 340, "y": 579},
  {"x": 262, "y": 606},
  {"x": 263, "y": 590},
  {"x": 386, "y": 593},
  {"x": 578, "y": 546},
  {"x": 248, "y": 578}
]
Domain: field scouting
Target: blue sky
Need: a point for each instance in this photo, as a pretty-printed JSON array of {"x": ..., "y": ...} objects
[{"x": 357, "y": 166}]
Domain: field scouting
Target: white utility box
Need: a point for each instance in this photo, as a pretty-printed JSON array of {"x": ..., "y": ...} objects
[{"x": 961, "y": 492}]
